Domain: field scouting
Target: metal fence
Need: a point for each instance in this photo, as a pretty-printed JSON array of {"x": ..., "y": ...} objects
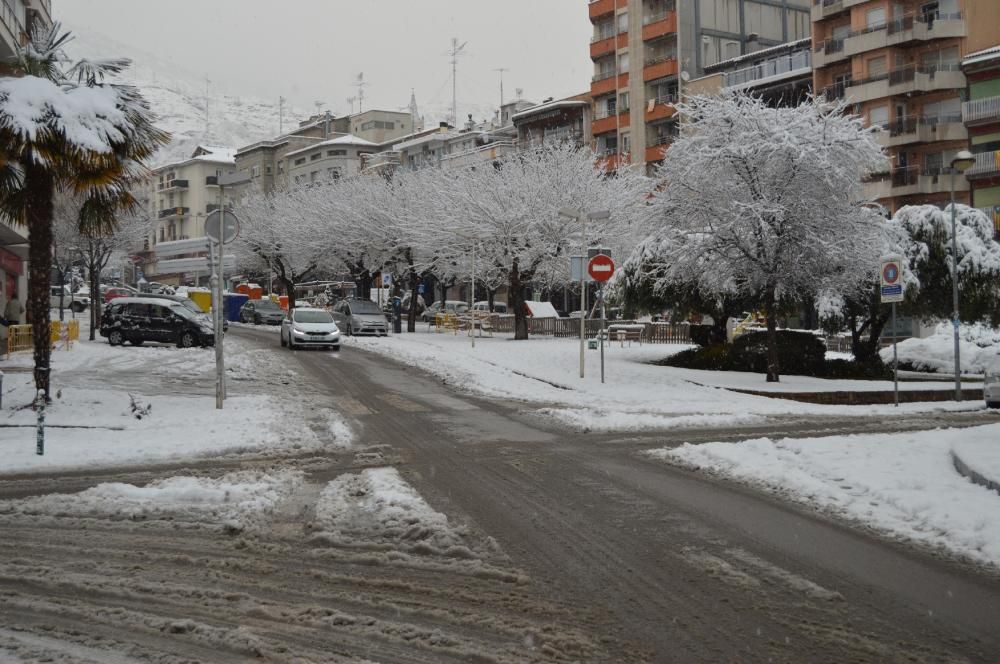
[
  {"x": 658, "y": 333},
  {"x": 19, "y": 337}
]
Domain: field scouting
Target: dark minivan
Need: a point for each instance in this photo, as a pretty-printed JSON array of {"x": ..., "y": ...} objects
[{"x": 140, "y": 319}]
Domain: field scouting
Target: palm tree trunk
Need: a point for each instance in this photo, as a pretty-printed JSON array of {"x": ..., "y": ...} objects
[{"x": 39, "y": 189}]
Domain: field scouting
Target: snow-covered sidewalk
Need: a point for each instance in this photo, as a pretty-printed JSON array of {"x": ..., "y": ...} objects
[
  {"x": 905, "y": 484},
  {"x": 125, "y": 405},
  {"x": 544, "y": 372}
]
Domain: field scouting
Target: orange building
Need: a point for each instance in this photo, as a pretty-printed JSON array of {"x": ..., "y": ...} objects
[{"x": 899, "y": 63}]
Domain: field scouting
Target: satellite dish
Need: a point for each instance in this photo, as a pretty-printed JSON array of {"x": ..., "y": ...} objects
[{"x": 685, "y": 76}]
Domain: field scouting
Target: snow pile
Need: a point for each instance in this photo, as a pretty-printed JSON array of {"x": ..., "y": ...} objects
[
  {"x": 979, "y": 350},
  {"x": 377, "y": 508},
  {"x": 902, "y": 483},
  {"x": 235, "y": 500},
  {"x": 980, "y": 456}
]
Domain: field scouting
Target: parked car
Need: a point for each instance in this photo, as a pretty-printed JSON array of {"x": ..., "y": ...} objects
[
  {"x": 991, "y": 386},
  {"x": 114, "y": 292},
  {"x": 484, "y": 305},
  {"x": 451, "y": 306},
  {"x": 69, "y": 301},
  {"x": 141, "y": 319},
  {"x": 190, "y": 304},
  {"x": 307, "y": 326},
  {"x": 262, "y": 312},
  {"x": 360, "y": 317}
]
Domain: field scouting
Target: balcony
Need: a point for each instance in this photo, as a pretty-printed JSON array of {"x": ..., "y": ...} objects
[
  {"x": 661, "y": 107},
  {"x": 606, "y": 82},
  {"x": 389, "y": 159},
  {"x": 877, "y": 187},
  {"x": 174, "y": 212},
  {"x": 987, "y": 166},
  {"x": 660, "y": 66},
  {"x": 903, "y": 30},
  {"x": 980, "y": 111},
  {"x": 484, "y": 153},
  {"x": 605, "y": 44},
  {"x": 173, "y": 185},
  {"x": 826, "y": 8},
  {"x": 611, "y": 160},
  {"x": 658, "y": 25},
  {"x": 785, "y": 66},
  {"x": 915, "y": 180},
  {"x": 599, "y": 8},
  {"x": 906, "y": 80},
  {"x": 923, "y": 129},
  {"x": 610, "y": 121}
]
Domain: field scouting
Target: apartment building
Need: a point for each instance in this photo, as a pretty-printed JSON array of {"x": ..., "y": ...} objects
[
  {"x": 645, "y": 50},
  {"x": 899, "y": 63},
  {"x": 554, "y": 122},
  {"x": 981, "y": 115},
  {"x": 327, "y": 160},
  {"x": 181, "y": 195},
  {"x": 780, "y": 75}
]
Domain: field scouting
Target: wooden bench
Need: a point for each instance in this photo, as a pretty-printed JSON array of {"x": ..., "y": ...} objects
[{"x": 629, "y": 333}]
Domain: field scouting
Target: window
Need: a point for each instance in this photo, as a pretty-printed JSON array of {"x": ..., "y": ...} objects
[
  {"x": 336, "y": 153},
  {"x": 623, "y": 22},
  {"x": 314, "y": 157},
  {"x": 877, "y": 66},
  {"x": 626, "y": 144},
  {"x": 623, "y": 63},
  {"x": 313, "y": 176},
  {"x": 268, "y": 170},
  {"x": 878, "y": 116},
  {"x": 255, "y": 172},
  {"x": 875, "y": 18},
  {"x": 377, "y": 124},
  {"x": 300, "y": 161}
]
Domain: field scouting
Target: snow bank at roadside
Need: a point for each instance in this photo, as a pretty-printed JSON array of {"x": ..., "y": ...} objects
[
  {"x": 980, "y": 456},
  {"x": 376, "y": 507},
  {"x": 902, "y": 483},
  {"x": 235, "y": 500},
  {"x": 979, "y": 349}
]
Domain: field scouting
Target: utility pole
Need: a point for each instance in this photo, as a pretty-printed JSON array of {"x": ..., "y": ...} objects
[
  {"x": 281, "y": 115},
  {"x": 456, "y": 51},
  {"x": 501, "y": 70}
]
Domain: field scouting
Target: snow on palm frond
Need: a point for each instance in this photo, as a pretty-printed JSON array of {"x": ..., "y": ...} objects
[{"x": 92, "y": 71}]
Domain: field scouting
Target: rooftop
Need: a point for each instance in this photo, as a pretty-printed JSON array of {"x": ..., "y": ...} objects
[
  {"x": 346, "y": 139},
  {"x": 549, "y": 106},
  {"x": 986, "y": 55}
]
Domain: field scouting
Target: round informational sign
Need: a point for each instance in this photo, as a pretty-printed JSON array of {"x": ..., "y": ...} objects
[
  {"x": 230, "y": 226},
  {"x": 890, "y": 273},
  {"x": 601, "y": 267}
]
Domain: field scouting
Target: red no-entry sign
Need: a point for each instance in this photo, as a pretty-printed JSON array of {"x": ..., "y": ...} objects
[{"x": 601, "y": 267}]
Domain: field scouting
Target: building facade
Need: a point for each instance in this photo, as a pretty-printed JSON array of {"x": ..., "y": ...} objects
[
  {"x": 643, "y": 51},
  {"x": 555, "y": 123},
  {"x": 181, "y": 195},
  {"x": 899, "y": 64},
  {"x": 981, "y": 115}
]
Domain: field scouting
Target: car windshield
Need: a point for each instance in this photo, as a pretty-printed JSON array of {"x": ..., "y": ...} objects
[
  {"x": 267, "y": 305},
  {"x": 312, "y": 317},
  {"x": 189, "y": 304},
  {"x": 181, "y": 310},
  {"x": 364, "y": 307}
]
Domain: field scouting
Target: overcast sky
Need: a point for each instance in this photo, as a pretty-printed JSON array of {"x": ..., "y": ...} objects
[{"x": 309, "y": 50}]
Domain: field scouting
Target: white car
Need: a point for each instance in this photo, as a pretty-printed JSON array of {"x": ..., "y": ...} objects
[
  {"x": 991, "y": 387},
  {"x": 306, "y": 326},
  {"x": 75, "y": 302}
]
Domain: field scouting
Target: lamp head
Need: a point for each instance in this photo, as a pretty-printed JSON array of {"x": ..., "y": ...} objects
[{"x": 963, "y": 161}]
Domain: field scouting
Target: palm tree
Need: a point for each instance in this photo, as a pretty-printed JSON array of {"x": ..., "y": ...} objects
[{"x": 67, "y": 129}]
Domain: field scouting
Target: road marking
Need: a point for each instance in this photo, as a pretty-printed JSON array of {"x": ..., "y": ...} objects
[
  {"x": 403, "y": 404},
  {"x": 352, "y": 406}
]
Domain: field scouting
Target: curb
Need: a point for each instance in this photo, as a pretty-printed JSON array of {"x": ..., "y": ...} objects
[
  {"x": 855, "y": 398},
  {"x": 964, "y": 469}
]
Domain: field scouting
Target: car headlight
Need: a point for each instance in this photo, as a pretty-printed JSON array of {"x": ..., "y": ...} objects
[{"x": 297, "y": 332}]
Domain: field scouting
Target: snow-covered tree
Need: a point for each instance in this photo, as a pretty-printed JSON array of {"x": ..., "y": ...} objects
[
  {"x": 66, "y": 129},
  {"x": 512, "y": 209},
  {"x": 765, "y": 204}
]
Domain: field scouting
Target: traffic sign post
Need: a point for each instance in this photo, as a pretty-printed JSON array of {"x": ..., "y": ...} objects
[
  {"x": 600, "y": 268},
  {"x": 892, "y": 292}
]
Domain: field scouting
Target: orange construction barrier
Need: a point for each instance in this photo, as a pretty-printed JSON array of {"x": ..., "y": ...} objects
[{"x": 283, "y": 302}]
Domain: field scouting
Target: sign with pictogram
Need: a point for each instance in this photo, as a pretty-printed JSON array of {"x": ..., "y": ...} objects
[
  {"x": 601, "y": 267},
  {"x": 891, "y": 279}
]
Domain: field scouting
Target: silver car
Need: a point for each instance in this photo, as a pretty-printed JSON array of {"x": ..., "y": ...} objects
[
  {"x": 991, "y": 386},
  {"x": 304, "y": 326},
  {"x": 360, "y": 317}
]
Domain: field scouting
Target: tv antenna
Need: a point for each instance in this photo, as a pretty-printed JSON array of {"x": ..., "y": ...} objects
[
  {"x": 455, "y": 52},
  {"x": 350, "y": 100},
  {"x": 501, "y": 70},
  {"x": 360, "y": 84},
  {"x": 281, "y": 114}
]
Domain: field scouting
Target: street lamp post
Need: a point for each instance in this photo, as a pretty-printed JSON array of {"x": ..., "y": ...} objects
[
  {"x": 961, "y": 163},
  {"x": 472, "y": 287},
  {"x": 571, "y": 213}
]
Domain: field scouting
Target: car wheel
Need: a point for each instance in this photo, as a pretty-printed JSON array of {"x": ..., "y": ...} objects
[
  {"x": 349, "y": 331},
  {"x": 256, "y": 319},
  {"x": 993, "y": 404},
  {"x": 186, "y": 340},
  {"x": 282, "y": 338},
  {"x": 116, "y": 338},
  {"x": 291, "y": 344},
  {"x": 77, "y": 307}
]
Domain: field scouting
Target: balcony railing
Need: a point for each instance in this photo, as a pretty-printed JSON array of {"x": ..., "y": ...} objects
[
  {"x": 987, "y": 163},
  {"x": 837, "y": 90},
  {"x": 174, "y": 184},
  {"x": 905, "y": 177},
  {"x": 772, "y": 67},
  {"x": 602, "y": 76},
  {"x": 657, "y": 58},
  {"x": 659, "y": 13},
  {"x": 662, "y": 139},
  {"x": 606, "y": 34},
  {"x": 910, "y": 123},
  {"x": 666, "y": 98},
  {"x": 977, "y": 110},
  {"x": 174, "y": 212},
  {"x": 602, "y": 113}
]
